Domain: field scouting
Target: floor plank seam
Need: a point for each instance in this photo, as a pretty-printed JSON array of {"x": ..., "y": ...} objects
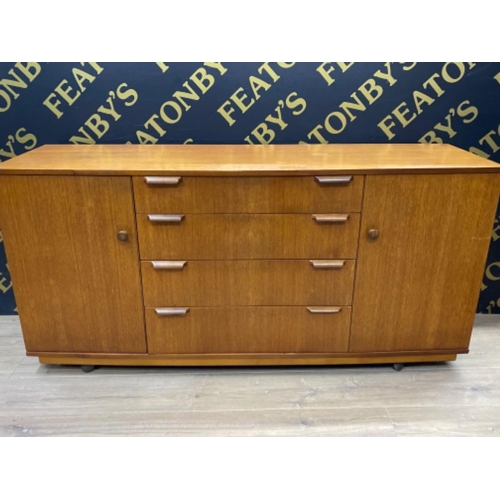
[{"x": 394, "y": 426}]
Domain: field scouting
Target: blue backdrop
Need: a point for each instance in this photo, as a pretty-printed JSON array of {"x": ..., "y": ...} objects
[{"x": 259, "y": 103}]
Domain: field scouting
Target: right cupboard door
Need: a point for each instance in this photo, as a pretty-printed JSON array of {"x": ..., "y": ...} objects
[{"x": 418, "y": 279}]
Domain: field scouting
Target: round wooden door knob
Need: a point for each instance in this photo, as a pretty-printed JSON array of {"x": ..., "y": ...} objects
[
  {"x": 122, "y": 236},
  {"x": 373, "y": 234}
]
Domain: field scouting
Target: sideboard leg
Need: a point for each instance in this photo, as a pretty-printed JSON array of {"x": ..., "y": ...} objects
[
  {"x": 398, "y": 366},
  {"x": 88, "y": 368}
]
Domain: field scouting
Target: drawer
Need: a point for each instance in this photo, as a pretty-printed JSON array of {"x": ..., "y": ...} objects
[
  {"x": 216, "y": 330},
  {"x": 238, "y": 236},
  {"x": 248, "y": 282},
  {"x": 248, "y": 194}
]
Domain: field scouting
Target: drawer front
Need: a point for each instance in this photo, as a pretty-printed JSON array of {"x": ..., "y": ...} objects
[
  {"x": 248, "y": 282},
  {"x": 248, "y": 194},
  {"x": 216, "y": 330},
  {"x": 199, "y": 236}
]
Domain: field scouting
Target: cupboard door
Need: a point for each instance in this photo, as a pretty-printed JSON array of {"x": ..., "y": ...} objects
[
  {"x": 77, "y": 286},
  {"x": 418, "y": 281}
]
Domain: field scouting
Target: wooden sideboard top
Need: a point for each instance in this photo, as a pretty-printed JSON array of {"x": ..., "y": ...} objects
[{"x": 290, "y": 159}]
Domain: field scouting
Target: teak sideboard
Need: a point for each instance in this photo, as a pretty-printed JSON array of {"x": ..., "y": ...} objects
[{"x": 254, "y": 255}]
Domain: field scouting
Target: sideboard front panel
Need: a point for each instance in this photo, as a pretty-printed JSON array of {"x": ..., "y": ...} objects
[
  {"x": 417, "y": 284},
  {"x": 248, "y": 236},
  {"x": 248, "y": 282},
  {"x": 77, "y": 286},
  {"x": 241, "y": 195},
  {"x": 217, "y": 330}
]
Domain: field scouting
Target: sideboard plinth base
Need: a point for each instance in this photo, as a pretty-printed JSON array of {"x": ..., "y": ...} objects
[{"x": 240, "y": 360}]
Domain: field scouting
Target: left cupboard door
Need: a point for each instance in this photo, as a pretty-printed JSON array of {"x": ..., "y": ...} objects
[{"x": 72, "y": 251}]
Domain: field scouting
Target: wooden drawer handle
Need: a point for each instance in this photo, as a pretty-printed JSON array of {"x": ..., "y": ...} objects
[
  {"x": 324, "y": 310},
  {"x": 162, "y": 181},
  {"x": 172, "y": 311},
  {"x": 168, "y": 264},
  {"x": 339, "y": 179},
  {"x": 165, "y": 218},
  {"x": 327, "y": 264},
  {"x": 328, "y": 219}
]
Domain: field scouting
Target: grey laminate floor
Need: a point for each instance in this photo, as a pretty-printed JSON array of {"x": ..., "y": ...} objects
[{"x": 458, "y": 399}]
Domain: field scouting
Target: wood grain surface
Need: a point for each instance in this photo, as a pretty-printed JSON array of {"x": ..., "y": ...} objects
[
  {"x": 246, "y": 220},
  {"x": 417, "y": 285},
  {"x": 240, "y": 236},
  {"x": 235, "y": 195},
  {"x": 249, "y": 282},
  {"x": 77, "y": 287},
  {"x": 297, "y": 159},
  {"x": 247, "y": 329}
]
